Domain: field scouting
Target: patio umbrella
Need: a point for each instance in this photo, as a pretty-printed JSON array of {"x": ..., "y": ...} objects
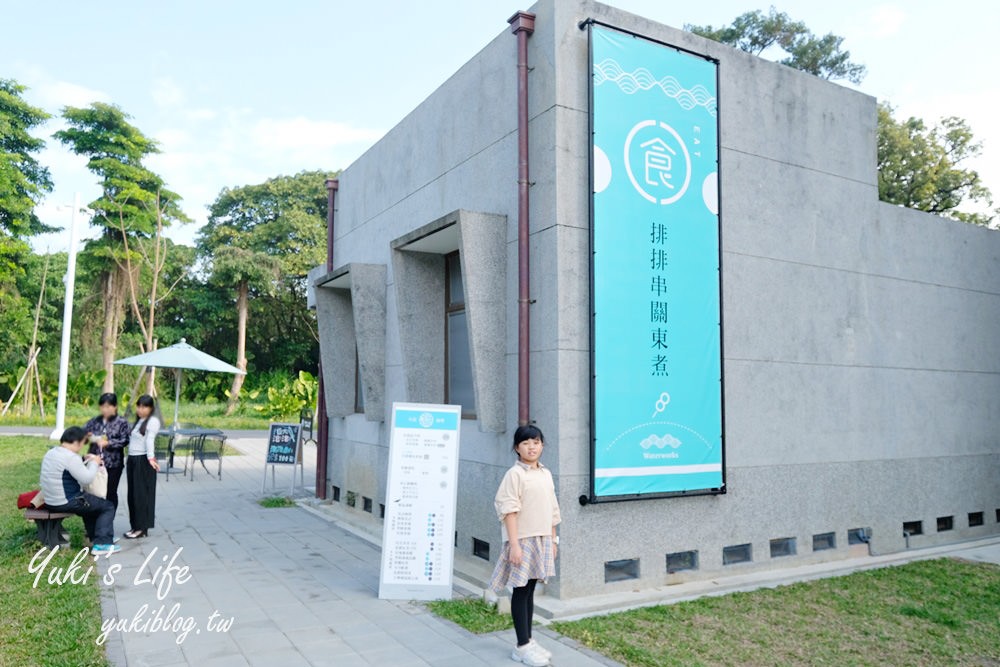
[{"x": 179, "y": 357}]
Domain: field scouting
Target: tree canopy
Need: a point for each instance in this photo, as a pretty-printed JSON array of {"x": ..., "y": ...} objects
[
  {"x": 260, "y": 242},
  {"x": 283, "y": 218},
  {"x": 131, "y": 195},
  {"x": 921, "y": 166},
  {"x": 755, "y": 32},
  {"x": 23, "y": 180}
]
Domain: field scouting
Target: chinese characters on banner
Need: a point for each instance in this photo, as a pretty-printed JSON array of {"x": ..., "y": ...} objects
[{"x": 657, "y": 395}]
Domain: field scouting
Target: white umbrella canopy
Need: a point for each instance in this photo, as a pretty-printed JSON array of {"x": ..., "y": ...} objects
[{"x": 180, "y": 356}]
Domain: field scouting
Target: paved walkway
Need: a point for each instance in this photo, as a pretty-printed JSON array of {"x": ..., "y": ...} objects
[{"x": 299, "y": 589}]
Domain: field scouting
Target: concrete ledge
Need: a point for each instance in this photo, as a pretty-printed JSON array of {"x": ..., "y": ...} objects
[
  {"x": 472, "y": 578},
  {"x": 594, "y": 605}
]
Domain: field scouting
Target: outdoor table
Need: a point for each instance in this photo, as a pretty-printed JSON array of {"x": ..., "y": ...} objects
[{"x": 196, "y": 436}]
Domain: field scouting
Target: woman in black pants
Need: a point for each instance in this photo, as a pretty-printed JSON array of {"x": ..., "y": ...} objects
[
  {"x": 142, "y": 467},
  {"x": 110, "y": 430}
]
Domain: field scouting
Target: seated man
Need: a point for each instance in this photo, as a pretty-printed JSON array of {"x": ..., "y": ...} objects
[{"x": 62, "y": 479}]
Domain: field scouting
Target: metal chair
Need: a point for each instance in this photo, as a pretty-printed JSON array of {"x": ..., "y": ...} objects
[
  {"x": 212, "y": 448},
  {"x": 162, "y": 450}
]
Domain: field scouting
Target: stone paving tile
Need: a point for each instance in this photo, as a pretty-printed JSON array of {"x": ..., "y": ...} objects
[
  {"x": 301, "y": 590},
  {"x": 235, "y": 660},
  {"x": 286, "y": 657}
]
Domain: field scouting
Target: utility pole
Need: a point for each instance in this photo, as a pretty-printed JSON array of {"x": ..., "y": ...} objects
[{"x": 70, "y": 281}]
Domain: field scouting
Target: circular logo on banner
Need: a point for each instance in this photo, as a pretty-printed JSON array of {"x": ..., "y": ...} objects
[
  {"x": 426, "y": 419},
  {"x": 657, "y": 162}
]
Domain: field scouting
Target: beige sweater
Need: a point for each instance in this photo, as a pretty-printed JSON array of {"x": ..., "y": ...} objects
[{"x": 531, "y": 493}]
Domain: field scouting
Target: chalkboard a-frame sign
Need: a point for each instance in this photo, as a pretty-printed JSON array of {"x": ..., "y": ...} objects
[
  {"x": 282, "y": 444},
  {"x": 282, "y": 449}
]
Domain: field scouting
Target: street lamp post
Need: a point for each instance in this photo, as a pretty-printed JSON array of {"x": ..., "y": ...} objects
[{"x": 70, "y": 280}]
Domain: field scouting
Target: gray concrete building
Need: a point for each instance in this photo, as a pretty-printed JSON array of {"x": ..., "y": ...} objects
[{"x": 861, "y": 348}]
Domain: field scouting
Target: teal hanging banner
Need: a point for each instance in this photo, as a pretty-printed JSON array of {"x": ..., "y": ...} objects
[{"x": 657, "y": 330}]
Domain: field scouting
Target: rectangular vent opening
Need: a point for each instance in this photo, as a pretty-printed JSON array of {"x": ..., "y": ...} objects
[
  {"x": 737, "y": 553},
  {"x": 945, "y": 523},
  {"x": 682, "y": 560},
  {"x": 913, "y": 527},
  {"x": 783, "y": 546},
  {"x": 860, "y": 535},
  {"x": 480, "y": 548},
  {"x": 824, "y": 541},
  {"x": 621, "y": 570}
]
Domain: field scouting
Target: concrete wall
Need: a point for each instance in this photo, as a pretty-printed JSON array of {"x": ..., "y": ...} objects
[
  {"x": 862, "y": 362},
  {"x": 456, "y": 153}
]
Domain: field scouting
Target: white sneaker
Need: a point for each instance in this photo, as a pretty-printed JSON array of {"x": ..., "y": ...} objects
[
  {"x": 529, "y": 655},
  {"x": 541, "y": 649}
]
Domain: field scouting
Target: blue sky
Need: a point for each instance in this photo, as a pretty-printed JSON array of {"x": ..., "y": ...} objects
[{"x": 239, "y": 91}]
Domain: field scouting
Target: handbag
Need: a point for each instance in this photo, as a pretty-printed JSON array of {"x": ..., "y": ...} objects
[
  {"x": 24, "y": 500},
  {"x": 30, "y": 499},
  {"x": 99, "y": 485}
]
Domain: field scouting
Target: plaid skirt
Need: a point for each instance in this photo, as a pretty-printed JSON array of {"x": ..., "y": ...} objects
[{"x": 537, "y": 562}]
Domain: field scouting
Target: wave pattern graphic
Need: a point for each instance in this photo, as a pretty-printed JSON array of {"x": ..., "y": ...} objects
[{"x": 609, "y": 70}]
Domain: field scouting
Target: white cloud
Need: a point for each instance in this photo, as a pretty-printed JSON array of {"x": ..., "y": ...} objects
[
  {"x": 885, "y": 20},
  {"x": 300, "y": 132},
  {"x": 171, "y": 139},
  {"x": 54, "y": 95},
  {"x": 200, "y": 114},
  {"x": 166, "y": 93}
]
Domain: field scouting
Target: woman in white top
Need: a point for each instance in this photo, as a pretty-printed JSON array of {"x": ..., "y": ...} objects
[{"x": 141, "y": 468}]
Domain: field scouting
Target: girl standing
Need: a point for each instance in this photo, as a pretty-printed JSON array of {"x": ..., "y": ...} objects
[
  {"x": 111, "y": 432},
  {"x": 142, "y": 467},
  {"x": 529, "y": 513}
]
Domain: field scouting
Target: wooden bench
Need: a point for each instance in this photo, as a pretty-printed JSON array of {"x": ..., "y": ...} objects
[{"x": 49, "y": 526}]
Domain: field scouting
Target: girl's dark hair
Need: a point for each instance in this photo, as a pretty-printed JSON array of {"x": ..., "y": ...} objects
[
  {"x": 109, "y": 398},
  {"x": 145, "y": 401},
  {"x": 527, "y": 432}
]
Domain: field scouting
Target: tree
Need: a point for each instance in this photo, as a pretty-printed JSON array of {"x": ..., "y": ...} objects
[
  {"x": 918, "y": 166},
  {"x": 23, "y": 181},
  {"x": 921, "y": 167},
  {"x": 261, "y": 240},
  {"x": 150, "y": 258},
  {"x": 134, "y": 204},
  {"x": 756, "y": 32}
]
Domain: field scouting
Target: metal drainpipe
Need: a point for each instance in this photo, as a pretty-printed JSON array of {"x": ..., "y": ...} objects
[
  {"x": 323, "y": 430},
  {"x": 522, "y": 24}
]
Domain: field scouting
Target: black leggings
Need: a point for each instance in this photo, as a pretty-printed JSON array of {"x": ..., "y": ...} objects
[
  {"x": 114, "y": 477},
  {"x": 522, "y": 608}
]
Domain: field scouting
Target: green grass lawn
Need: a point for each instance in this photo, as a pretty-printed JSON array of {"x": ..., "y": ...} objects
[
  {"x": 49, "y": 625},
  {"x": 473, "y": 614},
  {"x": 211, "y": 415},
  {"x": 939, "y": 612},
  {"x": 276, "y": 501}
]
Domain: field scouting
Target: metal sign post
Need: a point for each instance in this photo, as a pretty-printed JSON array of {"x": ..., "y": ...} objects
[{"x": 284, "y": 447}]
